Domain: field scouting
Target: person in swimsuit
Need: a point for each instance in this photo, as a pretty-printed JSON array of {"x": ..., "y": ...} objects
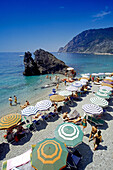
[
  {"x": 10, "y": 100},
  {"x": 98, "y": 139},
  {"x": 15, "y": 99},
  {"x": 93, "y": 132}
]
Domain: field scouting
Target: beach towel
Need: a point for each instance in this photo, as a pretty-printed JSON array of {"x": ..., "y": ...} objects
[{"x": 17, "y": 161}]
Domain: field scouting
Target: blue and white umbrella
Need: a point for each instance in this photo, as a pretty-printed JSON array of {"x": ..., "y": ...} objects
[
  {"x": 77, "y": 84},
  {"x": 28, "y": 111},
  {"x": 72, "y": 88},
  {"x": 106, "y": 88},
  {"x": 92, "y": 109},
  {"x": 43, "y": 105}
]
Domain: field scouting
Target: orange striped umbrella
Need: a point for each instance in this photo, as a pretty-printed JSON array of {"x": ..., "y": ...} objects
[
  {"x": 105, "y": 84},
  {"x": 9, "y": 120}
]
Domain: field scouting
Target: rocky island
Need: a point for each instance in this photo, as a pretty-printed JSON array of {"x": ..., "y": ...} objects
[
  {"x": 43, "y": 63},
  {"x": 96, "y": 41}
]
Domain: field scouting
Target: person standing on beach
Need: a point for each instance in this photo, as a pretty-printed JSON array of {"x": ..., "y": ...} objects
[
  {"x": 15, "y": 99},
  {"x": 10, "y": 100},
  {"x": 98, "y": 139},
  {"x": 93, "y": 132}
]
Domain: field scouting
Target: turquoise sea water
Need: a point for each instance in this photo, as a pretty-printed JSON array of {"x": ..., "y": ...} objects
[{"x": 12, "y": 81}]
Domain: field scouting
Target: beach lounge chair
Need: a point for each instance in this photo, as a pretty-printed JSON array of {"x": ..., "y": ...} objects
[{"x": 95, "y": 121}]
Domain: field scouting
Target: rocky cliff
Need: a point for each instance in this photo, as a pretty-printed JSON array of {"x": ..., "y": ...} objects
[
  {"x": 91, "y": 41},
  {"x": 43, "y": 63}
]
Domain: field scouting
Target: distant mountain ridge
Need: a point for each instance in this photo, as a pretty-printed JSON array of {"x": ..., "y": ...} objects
[{"x": 91, "y": 41}]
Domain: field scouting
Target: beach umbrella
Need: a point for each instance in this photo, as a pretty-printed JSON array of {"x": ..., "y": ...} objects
[
  {"x": 102, "y": 95},
  {"x": 77, "y": 84},
  {"x": 94, "y": 74},
  {"x": 84, "y": 80},
  {"x": 108, "y": 74},
  {"x": 108, "y": 81},
  {"x": 105, "y": 91},
  {"x": 49, "y": 154},
  {"x": 109, "y": 78},
  {"x": 43, "y": 105},
  {"x": 70, "y": 68},
  {"x": 65, "y": 93},
  {"x": 101, "y": 74},
  {"x": 9, "y": 121},
  {"x": 71, "y": 88},
  {"x": 106, "y": 84},
  {"x": 69, "y": 133},
  {"x": 28, "y": 111},
  {"x": 57, "y": 98},
  {"x": 106, "y": 88},
  {"x": 92, "y": 109},
  {"x": 99, "y": 101}
]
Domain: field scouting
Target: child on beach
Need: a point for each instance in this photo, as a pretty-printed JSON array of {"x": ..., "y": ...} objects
[
  {"x": 15, "y": 99},
  {"x": 10, "y": 100}
]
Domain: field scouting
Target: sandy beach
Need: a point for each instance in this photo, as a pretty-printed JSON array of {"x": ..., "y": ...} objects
[{"x": 91, "y": 160}]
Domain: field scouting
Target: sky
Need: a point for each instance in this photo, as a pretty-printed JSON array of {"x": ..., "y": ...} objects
[{"x": 27, "y": 25}]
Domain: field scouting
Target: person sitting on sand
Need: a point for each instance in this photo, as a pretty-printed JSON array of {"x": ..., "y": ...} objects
[
  {"x": 25, "y": 105},
  {"x": 98, "y": 139},
  {"x": 57, "y": 86},
  {"x": 75, "y": 120},
  {"x": 93, "y": 132},
  {"x": 65, "y": 115}
]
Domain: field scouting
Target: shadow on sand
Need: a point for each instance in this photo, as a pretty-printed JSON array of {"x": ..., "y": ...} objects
[
  {"x": 87, "y": 155},
  {"x": 4, "y": 149}
]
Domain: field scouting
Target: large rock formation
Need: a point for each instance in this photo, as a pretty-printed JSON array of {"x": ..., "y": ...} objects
[
  {"x": 91, "y": 41},
  {"x": 43, "y": 63}
]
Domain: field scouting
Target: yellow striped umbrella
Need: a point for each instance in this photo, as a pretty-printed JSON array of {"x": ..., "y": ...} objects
[
  {"x": 9, "y": 120},
  {"x": 105, "y": 84}
]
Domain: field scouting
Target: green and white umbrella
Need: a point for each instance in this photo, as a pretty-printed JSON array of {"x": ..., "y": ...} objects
[
  {"x": 65, "y": 93},
  {"x": 105, "y": 91},
  {"x": 99, "y": 101},
  {"x": 102, "y": 95},
  {"x": 69, "y": 133},
  {"x": 106, "y": 88},
  {"x": 49, "y": 154}
]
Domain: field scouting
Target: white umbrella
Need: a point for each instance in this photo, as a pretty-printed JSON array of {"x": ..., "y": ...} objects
[
  {"x": 107, "y": 74},
  {"x": 101, "y": 74},
  {"x": 28, "y": 111},
  {"x": 65, "y": 93},
  {"x": 109, "y": 78},
  {"x": 94, "y": 74},
  {"x": 105, "y": 91},
  {"x": 70, "y": 68},
  {"x": 106, "y": 87},
  {"x": 77, "y": 84},
  {"x": 99, "y": 101},
  {"x": 43, "y": 105},
  {"x": 83, "y": 80},
  {"x": 71, "y": 88},
  {"x": 92, "y": 109}
]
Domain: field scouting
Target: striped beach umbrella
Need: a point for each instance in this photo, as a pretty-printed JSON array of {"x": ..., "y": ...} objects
[
  {"x": 49, "y": 154},
  {"x": 92, "y": 109},
  {"x": 28, "y": 111},
  {"x": 84, "y": 80},
  {"x": 65, "y": 93},
  {"x": 77, "y": 84},
  {"x": 69, "y": 133},
  {"x": 107, "y": 81},
  {"x": 99, "y": 101},
  {"x": 9, "y": 121},
  {"x": 105, "y": 91},
  {"x": 106, "y": 88},
  {"x": 57, "y": 98},
  {"x": 102, "y": 95},
  {"x": 43, "y": 105},
  {"x": 106, "y": 84},
  {"x": 109, "y": 78},
  {"x": 71, "y": 88},
  {"x": 108, "y": 74}
]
